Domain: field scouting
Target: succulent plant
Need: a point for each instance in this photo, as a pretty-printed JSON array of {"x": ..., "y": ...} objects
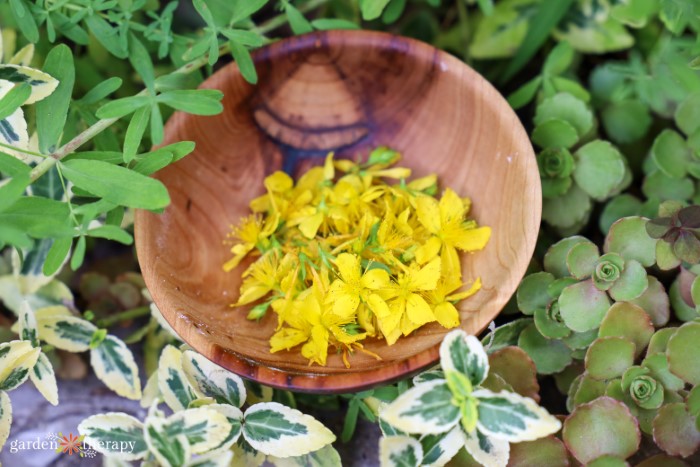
[{"x": 679, "y": 228}]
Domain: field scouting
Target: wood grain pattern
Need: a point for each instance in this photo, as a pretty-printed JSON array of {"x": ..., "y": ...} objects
[{"x": 349, "y": 91}]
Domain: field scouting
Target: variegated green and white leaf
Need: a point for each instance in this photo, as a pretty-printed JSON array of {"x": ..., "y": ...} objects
[
  {"x": 439, "y": 449},
  {"x": 400, "y": 451},
  {"x": 214, "y": 459},
  {"x": 17, "y": 358},
  {"x": 281, "y": 431},
  {"x": 27, "y": 325},
  {"x": 13, "y": 128},
  {"x": 324, "y": 457},
  {"x": 169, "y": 451},
  {"x": 465, "y": 354},
  {"x": 68, "y": 333},
  {"x": 5, "y": 418},
  {"x": 210, "y": 380},
  {"x": 487, "y": 450},
  {"x": 386, "y": 428},
  {"x": 512, "y": 417},
  {"x": 430, "y": 375},
  {"x": 23, "y": 56},
  {"x": 256, "y": 393},
  {"x": 245, "y": 456},
  {"x": 42, "y": 83},
  {"x": 235, "y": 418},
  {"x": 204, "y": 428},
  {"x": 44, "y": 378},
  {"x": 151, "y": 392},
  {"x": 114, "y": 364},
  {"x": 172, "y": 381},
  {"x": 115, "y": 435},
  {"x": 425, "y": 409},
  {"x": 14, "y": 289}
]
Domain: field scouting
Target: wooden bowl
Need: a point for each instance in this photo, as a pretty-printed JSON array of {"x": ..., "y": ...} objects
[{"x": 348, "y": 92}]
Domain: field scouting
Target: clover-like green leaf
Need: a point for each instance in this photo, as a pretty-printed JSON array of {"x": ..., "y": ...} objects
[
  {"x": 620, "y": 206},
  {"x": 626, "y": 121},
  {"x": 609, "y": 357},
  {"x": 683, "y": 353},
  {"x": 628, "y": 237},
  {"x": 550, "y": 356},
  {"x": 671, "y": 154},
  {"x": 627, "y": 320},
  {"x": 580, "y": 340},
  {"x": 601, "y": 427},
  {"x": 600, "y": 169},
  {"x": 556, "y": 133},
  {"x": 532, "y": 292},
  {"x": 567, "y": 210},
  {"x": 565, "y": 107},
  {"x": 675, "y": 431},
  {"x": 687, "y": 114},
  {"x": 584, "y": 389},
  {"x": 555, "y": 258},
  {"x": 583, "y": 306},
  {"x": 582, "y": 259},
  {"x": 632, "y": 282}
]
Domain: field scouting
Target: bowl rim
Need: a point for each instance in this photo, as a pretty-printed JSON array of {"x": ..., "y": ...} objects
[{"x": 352, "y": 380}]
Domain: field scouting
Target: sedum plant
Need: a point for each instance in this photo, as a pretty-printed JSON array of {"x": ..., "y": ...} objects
[{"x": 450, "y": 409}]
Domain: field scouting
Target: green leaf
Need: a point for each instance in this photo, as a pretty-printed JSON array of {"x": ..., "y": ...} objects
[
  {"x": 626, "y": 121},
  {"x": 12, "y": 166},
  {"x": 273, "y": 428},
  {"x": 583, "y": 306},
  {"x": 13, "y": 129},
  {"x": 117, "y": 435},
  {"x": 609, "y": 357},
  {"x": 464, "y": 354},
  {"x": 57, "y": 255},
  {"x": 25, "y": 20},
  {"x": 106, "y": 35},
  {"x": 242, "y": 57},
  {"x": 500, "y": 34},
  {"x": 124, "y": 106},
  {"x": 628, "y": 237},
  {"x": 134, "y": 133},
  {"x": 141, "y": 61},
  {"x": 332, "y": 23},
  {"x": 671, "y": 154},
  {"x": 425, "y": 409},
  {"x": 631, "y": 284},
  {"x": 204, "y": 428},
  {"x": 548, "y": 14},
  {"x": 682, "y": 351},
  {"x": 27, "y": 325},
  {"x": 14, "y": 98},
  {"x": 675, "y": 430},
  {"x": 101, "y": 90},
  {"x": 512, "y": 417},
  {"x": 325, "y": 457},
  {"x": 555, "y": 133},
  {"x": 687, "y": 115},
  {"x": 242, "y": 10},
  {"x": 372, "y": 9},
  {"x": 78, "y": 253},
  {"x": 505, "y": 335},
  {"x": 213, "y": 381},
  {"x": 439, "y": 449},
  {"x": 172, "y": 381},
  {"x": 629, "y": 321},
  {"x": 115, "y": 366},
  {"x": 5, "y": 417},
  {"x": 12, "y": 190},
  {"x": 52, "y": 111},
  {"x": 400, "y": 451},
  {"x": 532, "y": 292},
  {"x": 168, "y": 450},
  {"x": 590, "y": 32},
  {"x": 487, "y": 450},
  {"x": 66, "y": 332},
  {"x": 568, "y": 108},
  {"x": 111, "y": 232},
  {"x": 297, "y": 21},
  {"x": 153, "y": 162},
  {"x": 525, "y": 93},
  {"x": 17, "y": 358},
  {"x": 567, "y": 210},
  {"x": 116, "y": 184},
  {"x": 582, "y": 260},
  {"x": 44, "y": 379},
  {"x": 194, "y": 101},
  {"x": 235, "y": 419},
  {"x": 38, "y": 217},
  {"x": 550, "y": 355},
  {"x": 559, "y": 59}
]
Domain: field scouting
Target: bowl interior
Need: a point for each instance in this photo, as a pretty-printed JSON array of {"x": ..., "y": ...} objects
[{"x": 347, "y": 92}]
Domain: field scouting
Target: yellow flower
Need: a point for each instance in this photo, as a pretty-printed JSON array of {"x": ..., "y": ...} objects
[
  {"x": 445, "y": 221},
  {"x": 405, "y": 309},
  {"x": 443, "y": 299},
  {"x": 265, "y": 275},
  {"x": 253, "y": 231},
  {"x": 353, "y": 287}
]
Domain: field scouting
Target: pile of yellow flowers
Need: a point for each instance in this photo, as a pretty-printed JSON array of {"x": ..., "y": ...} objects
[{"x": 343, "y": 256}]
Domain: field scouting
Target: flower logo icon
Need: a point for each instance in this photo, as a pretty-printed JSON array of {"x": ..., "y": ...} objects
[{"x": 70, "y": 444}]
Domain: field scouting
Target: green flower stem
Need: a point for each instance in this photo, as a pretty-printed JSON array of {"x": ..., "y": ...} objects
[
  {"x": 123, "y": 316},
  {"x": 105, "y": 123}
]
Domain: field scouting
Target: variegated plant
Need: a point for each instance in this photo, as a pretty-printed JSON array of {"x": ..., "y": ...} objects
[
  {"x": 449, "y": 409},
  {"x": 208, "y": 418}
]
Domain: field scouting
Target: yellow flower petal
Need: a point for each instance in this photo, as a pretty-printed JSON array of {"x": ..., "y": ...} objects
[
  {"x": 451, "y": 265},
  {"x": 317, "y": 348},
  {"x": 396, "y": 172},
  {"x": 375, "y": 279},
  {"x": 423, "y": 183},
  {"x": 348, "y": 267},
  {"x": 428, "y": 212},
  {"x": 473, "y": 239},
  {"x": 309, "y": 226},
  {"x": 451, "y": 208},
  {"x": 428, "y": 250},
  {"x": 328, "y": 169},
  {"x": 252, "y": 290},
  {"x": 286, "y": 338},
  {"x": 427, "y": 277},
  {"x": 447, "y": 315},
  {"x": 418, "y": 311},
  {"x": 378, "y": 306},
  {"x": 279, "y": 182},
  {"x": 476, "y": 286}
]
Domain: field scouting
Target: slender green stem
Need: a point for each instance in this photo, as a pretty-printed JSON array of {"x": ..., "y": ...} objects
[
  {"x": 123, "y": 316},
  {"x": 196, "y": 64}
]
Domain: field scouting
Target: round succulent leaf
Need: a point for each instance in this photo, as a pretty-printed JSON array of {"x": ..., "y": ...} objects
[
  {"x": 666, "y": 259},
  {"x": 658, "y": 367},
  {"x": 687, "y": 247},
  {"x": 609, "y": 357},
  {"x": 517, "y": 369},
  {"x": 582, "y": 260},
  {"x": 654, "y": 302},
  {"x": 532, "y": 292},
  {"x": 567, "y": 210},
  {"x": 571, "y": 393},
  {"x": 682, "y": 310},
  {"x": 671, "y": 154},
  {"x": 564, "y": 378},
  {"x": 599, "y": 169},
  {"x": 659, "y": 227},
  {"x": 553, "y": 187},
  {"x": 628, "y": 237},
  {"x": 618, "y": 207},
  {"x": 687, "y": 114},
  {"x": 580, "y": 340},
  {"x": 662, "y": 187},
  {"x": 587, "y": 389},
  {"x": 614, "y": 389},
  {"x": 564, "y": 106},
  {"x": 685, "y": 281},
  {"x": 675, "y": 431},
  {"x": 601, "y": 427},
  {"x": 555, "y": 133},
  {"x": 550, "y": 355},
  {"x": 695, "y": 291},
  {"x": 495, "y": 383},
  {"x": 683, "y": 353},
  {"x": 631, "y": 284},
  {"x": 555, "y": 258},
  {"x": 626, "y": 121},
  {"x": 583, "y": 306},
  {"x": 659, "y": 341},
  {"x": 543, "y": 451},
  {"x": 662, "y": 460},
  {"x": 693, "y": 401},
  {"x": 549, "y": 323},
  {"x": 627, "y": 320},
  {"x": 555, "y": 288},
  {"x": 608, "y": 270},
  {"x": 608, "y": 461}
]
